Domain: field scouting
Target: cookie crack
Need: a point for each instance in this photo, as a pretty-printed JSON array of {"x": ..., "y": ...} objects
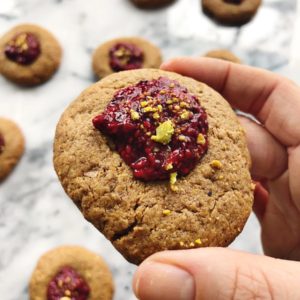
[{"x": 120, "y": 234}]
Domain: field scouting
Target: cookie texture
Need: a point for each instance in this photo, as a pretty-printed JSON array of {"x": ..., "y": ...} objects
[
  {"x": 13, "y": 148},
  {"x": 211, "y": 205},
  {"x": 88, "y": 264},
  {"x": 227, "y": 12},
  {"x": 100, "y": 63},
  {"x": 151, "y": 3},
  {"x": 42, "y": 68},
  {"x": 224, "y": 55}
]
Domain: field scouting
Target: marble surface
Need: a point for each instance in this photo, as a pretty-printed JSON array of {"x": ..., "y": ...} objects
[{"x": 35, "y": 214}]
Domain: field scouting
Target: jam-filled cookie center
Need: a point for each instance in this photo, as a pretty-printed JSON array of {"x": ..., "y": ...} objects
[
  {"x": 158, "y": 127},
  {"x": 125, "y": 56},
  {"x": 2, "y": 143},
  {"x": 23, "y": 49},
  {"x": 67, "y": 284},
  {"x": 237, "y": 2}
]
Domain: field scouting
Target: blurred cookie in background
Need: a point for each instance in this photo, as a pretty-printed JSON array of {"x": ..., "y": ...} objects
[
  {"x": 122, "y": 54},
  {"x": 12, "y": 146},
  {"x": 29, "y": 54},
  {"x": 224, "y": 55},
  {"x": 231, "y": 12},
  {"x": 151, "y": 3},
  {"x": 71, "y": 273}
]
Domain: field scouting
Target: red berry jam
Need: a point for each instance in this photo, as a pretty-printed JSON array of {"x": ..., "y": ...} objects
[
  {"x": 68, "y": 283},
  {"x": 23, "y": 49},
  {"x": 2, "y": 143},
  {"x": 234, "y": 1},
  {"x": 158, "y": 127},
  {"x": 125, "y": 56}
]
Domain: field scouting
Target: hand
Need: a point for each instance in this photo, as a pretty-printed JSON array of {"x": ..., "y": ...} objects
[{"x": 217, "y": 273}]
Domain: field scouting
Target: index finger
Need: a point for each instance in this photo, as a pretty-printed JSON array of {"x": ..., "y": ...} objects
[{"x": 272, "y": 99}]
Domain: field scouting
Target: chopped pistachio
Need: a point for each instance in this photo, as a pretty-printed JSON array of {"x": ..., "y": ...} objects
[
  {"x": 185, "y": 115},
  {"x": 173, "y": 178},
  {"x": 148, "y": 109},
  {"x": 166, "y": 212},
  {"x": 198, "y": 242},
  {"x": 174, "y": 188},
  {"x": 164, "y": 133},
  {"x": 169, "y": 167},
  {"x": 216, "y": 164},
  {"x": 134, "y": 115},
  {"x": 156, "y": 116},
  {"x": 182, "y": 138},
  {"x": 160, "y": 108},
  {"x": 144, "y": 103},
  {"x": 183, "y": 104},
  {"x": 201, "y": 139}
]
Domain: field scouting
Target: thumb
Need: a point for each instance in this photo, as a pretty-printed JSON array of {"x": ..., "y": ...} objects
[{"x": 215, "y": 273}]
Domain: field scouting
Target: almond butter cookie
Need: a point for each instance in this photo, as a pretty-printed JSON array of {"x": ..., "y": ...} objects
[
  {"x": 231, "y": 12},
  {"x": 155, "y": 161},
  {"x": 71, "y": 273},
  {"x": 29, "y": 54},
  {"x": 124, "y": 54},
  {"x": 224, "y": 55},
  {"x": 11, "y": 146}
]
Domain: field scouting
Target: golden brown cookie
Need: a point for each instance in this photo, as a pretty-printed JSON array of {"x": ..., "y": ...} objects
[
  {"x": 151, "y": 3},
  {"x": 123, "y": 54},
  {"x": 29, "y": 54},
  {"x": 68, "y": 272},
  {"x": 224, "y": 55},
  {"x": 231, "y": 12},
  {"x": 207, "y": 207},
  {"x": 11, "y": 146}
]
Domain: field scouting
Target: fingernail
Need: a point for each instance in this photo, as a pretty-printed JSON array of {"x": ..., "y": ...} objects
[{"x": 155, "y": 281}]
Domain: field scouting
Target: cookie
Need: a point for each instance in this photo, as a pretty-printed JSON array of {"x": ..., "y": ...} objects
[
  {"x": 124, "y": 54},
  {"x": 231, "y": 12},
  {"x": 224, "y": 55},
  {"x": 151, "y": 3},
  {"x": 71, "y": 273},
  {"x": 11, "y": 146},
  {"x": 190, "y": 184},
  {"x": 29, "y": 54}
]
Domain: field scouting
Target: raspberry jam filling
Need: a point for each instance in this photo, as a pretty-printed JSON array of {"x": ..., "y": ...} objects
[
  {"x": 158, "y": 127},
  {"x": 68, "y": 284},
  {"x": 23, "y": 49},
  {"x": 2, "y": 143},
  {"x": 125, "y": 56},
  {"x": 234, "y": 1}
]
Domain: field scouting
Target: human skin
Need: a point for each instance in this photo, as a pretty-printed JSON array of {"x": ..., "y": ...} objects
[{"x": 274, "y": 144}]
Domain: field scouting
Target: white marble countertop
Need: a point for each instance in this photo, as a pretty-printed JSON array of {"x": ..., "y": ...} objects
[{"x": 35, "y": 213}]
